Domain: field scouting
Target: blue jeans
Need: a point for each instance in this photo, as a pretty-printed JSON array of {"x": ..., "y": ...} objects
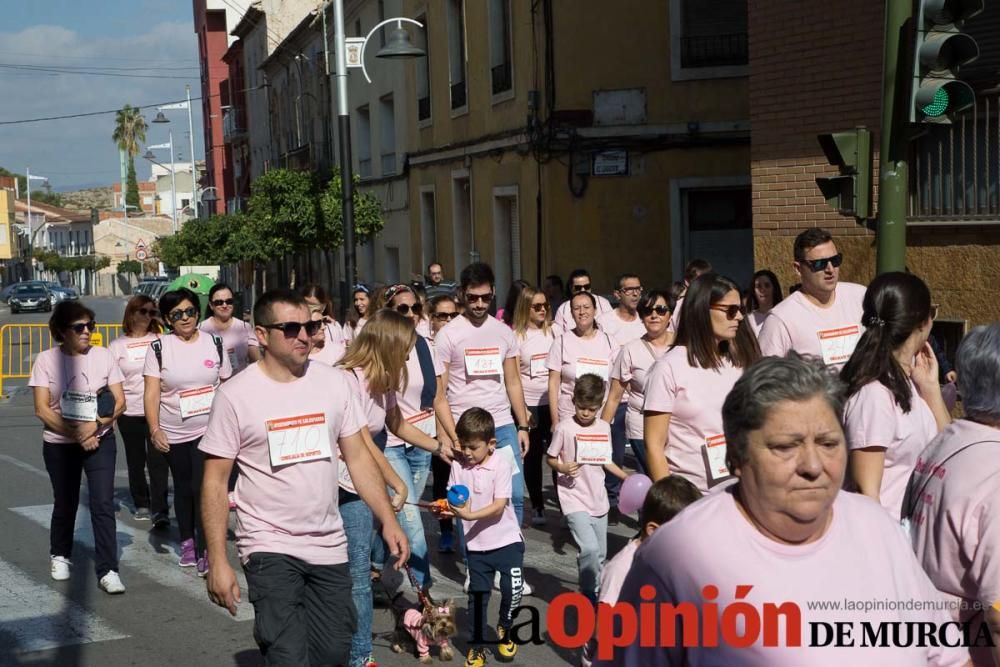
[
  {"x": 507, "y": 437},
  {"x": 358, "y": 527},
  {"x": 612, "y": 483},
  {"x": 639, "y": 449},
  {"x": 413, "y": 464}
]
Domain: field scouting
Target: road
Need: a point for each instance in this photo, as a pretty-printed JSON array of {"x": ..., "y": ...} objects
[{"x": 165, "y": 616}]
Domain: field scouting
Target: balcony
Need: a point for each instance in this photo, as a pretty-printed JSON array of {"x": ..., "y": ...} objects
[
  {"x": 458, "y": 99},
  {"x": 232, "y": 124},
  {"x": 724, "y": 50},
  {"x": 501, "y": 76}
]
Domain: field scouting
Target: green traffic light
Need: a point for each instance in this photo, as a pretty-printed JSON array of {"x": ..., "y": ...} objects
[{"x": 939, "y": 105}]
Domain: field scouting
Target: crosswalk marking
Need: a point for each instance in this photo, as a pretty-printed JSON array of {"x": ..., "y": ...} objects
[
  {"x": 137, "y": 555},
  {"x": 36, "y": 617}
]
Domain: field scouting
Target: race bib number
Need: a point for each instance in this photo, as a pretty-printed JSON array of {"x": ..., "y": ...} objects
[
  {"x": 715, "y": 457},
  {"x": 508, "y": 454},
  {"x": 598, "y": 367},
  {"x": 233, "y": 361},
  {"x": 196, "y": 401},
  {"x": 425, "y": 422},
  {"x": 537, "y": 366},
  {"x": 483, "y": 362},
  {"x": 837, "y": 345},
  {"x": 137, "y": 351},
  {"x": 78, "y": 406},
  {"x": 593, "y": 448},
  {"x": 298, "y": 439}
]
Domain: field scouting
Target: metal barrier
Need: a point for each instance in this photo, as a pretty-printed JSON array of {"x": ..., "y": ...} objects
[{"x": 20, "y": 344}]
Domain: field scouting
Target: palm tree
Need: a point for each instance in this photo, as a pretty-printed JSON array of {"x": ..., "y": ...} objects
[{"x": 130, "y": 131}]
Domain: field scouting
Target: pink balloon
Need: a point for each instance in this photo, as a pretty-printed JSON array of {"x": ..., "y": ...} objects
[
  {"x": 633, "y": 493},
  {"x": 949, "y": 393}
]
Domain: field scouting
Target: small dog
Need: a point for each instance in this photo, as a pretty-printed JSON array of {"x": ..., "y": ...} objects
[{"x": 418, "y": 629}]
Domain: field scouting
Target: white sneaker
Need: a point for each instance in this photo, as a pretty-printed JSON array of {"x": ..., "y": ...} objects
[
  {"x": 111, "y": 583},
  {"x": 59, "y": 567}
]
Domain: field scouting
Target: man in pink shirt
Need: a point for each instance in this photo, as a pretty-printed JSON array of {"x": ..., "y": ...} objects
[
  {"x": 579, "y": 281},
  {"x": 823, "y": 318},
  {"x": 289, "y": 533}
]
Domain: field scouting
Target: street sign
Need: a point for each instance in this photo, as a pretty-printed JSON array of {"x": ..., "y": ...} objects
[
  {"x": 140, "y": 244},
  {"x": 140, "y": 254}
]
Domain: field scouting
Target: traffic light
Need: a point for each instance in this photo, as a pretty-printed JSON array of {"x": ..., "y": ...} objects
[
  {"x": 850, "y": 193},
  {"x": 940, "y": 50}
]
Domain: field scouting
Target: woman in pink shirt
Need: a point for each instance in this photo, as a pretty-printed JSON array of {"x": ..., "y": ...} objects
[
  {"x": 355, "y": 322},
  {"x": 534, "y": 335},
  {"x": 140, "y": 328},
  {"x": 894, "y": 406},
  {"x": 330, "y": 345},
  {"x": 765, "y": 294},
  {"x": 633, "y": 363},
  {"x": 583, "y": 349},
  {"x": 182, "y": 372},
  {"x": 756, "y": 561},
  {"x": 237, "y": 336},
  {"x": 685, "y": 388}
]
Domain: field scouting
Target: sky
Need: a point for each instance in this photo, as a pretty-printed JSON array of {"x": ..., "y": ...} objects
[{"x": 151, "y": 42}]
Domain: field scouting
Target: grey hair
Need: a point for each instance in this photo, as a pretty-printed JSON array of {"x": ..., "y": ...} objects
[
  {"x": 978, "y": 366},
  {"x": 767, "y": 383}
]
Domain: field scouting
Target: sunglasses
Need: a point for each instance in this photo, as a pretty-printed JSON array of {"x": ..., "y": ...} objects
[
  {"x": 406, "y": 309},
  {"x": 475, "y": 298},
  {"x": 444, "y": 317},
  {"x": 632, "y": 290},
  {"x": 292, "y": 329},
  {"x": 148, "y": 312},
  {"x": 539, "y": 307},
  {"x": 817, "y": 265},
  {"x": 223, "y": 302},
  {"x": 730, "y": 311},
  {"x": 79, "y": 327},
  {"x": 178, "y": 315},
  {"x": 662, "y": 311},
  {"x": 581, "y": 288}
]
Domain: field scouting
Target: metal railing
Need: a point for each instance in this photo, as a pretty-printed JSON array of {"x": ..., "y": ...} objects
[
  {"x": 714, "y": 50},
  {"x": 20, "y": 345}
]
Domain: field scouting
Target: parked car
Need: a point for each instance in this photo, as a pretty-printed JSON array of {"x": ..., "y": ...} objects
[
  {"x": 61, "y": 293},
  {"x": 6, "y": 292},
  {"x": 26, "y": 297}
]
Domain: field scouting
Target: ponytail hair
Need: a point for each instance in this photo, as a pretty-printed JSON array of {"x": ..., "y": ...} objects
[{"x": 895, "y": 305}]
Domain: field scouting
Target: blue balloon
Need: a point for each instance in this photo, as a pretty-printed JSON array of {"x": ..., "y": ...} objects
[{"x": 458, "y": 495}]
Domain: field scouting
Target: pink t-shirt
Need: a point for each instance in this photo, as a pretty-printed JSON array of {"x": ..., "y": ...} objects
[
  {"x": 351, "y": 332},
  {"x": 757, "y": 321},
  {"x": 564, "y": 316},
  {"x": 585, "y": 492},
  {"x": 533, "y": 353},
  {"x": 872, "y": 418},
  {"x": 373, "y": 408},
  {"x": 191, "y": 372},
  {"x": 424, "y": 328},
  {"x": 488, "y": 481},
  {"x": 409, "y": 400},
  {"x": 614, "y": 572},
  {"x": 675, "y": 316},
  {"x": 570, "y": 354},
  {"x": 85, "y": 373},
  {"x": 955, "y": 528},
  {"x": 623, "y": 332},
  {"x": 237, "y": 339},
  {"x": 289, "y": 509},
  {"x": 631, "y": 368},
  {"x": 130, "y": 354},
  {"x": 334, "y": 346},
  {"x": 484, "y": 348},
  {"x": 863, "y": 556},
  {"x": 830, "y": 333},
  {"x": 693, "y": 397}
]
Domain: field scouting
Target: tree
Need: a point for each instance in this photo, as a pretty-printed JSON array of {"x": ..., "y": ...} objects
[
  {"x": 368, "y": 221},
  {"x": 132, "y": 187},
  {"x": 45, "y": 196},
  {"x": 129, "y": 266},
  {"x": 284, "y": 205},
  {"x": 130, "y": 131}
]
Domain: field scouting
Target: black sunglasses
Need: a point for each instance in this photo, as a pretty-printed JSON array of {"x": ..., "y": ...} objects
[
  {"x": 178, "y": 315},
  {"x": 80, "y": 326},
  {"x": 540, "y": 307},
  {"x": 581, "y": 288},
  {"x": 659, "y": 310},
  {"x": 444, "y": 317},
  {"x": 292, "y": 329},
  {"x": 405, "y": 309},
  {"x": 817, "y": 265},
  {"x": 223, "y": 302},
  {"x": 731, "y": 311},
  {"x": 148, "y": 312},
  {"x": 475, "y": 298}
]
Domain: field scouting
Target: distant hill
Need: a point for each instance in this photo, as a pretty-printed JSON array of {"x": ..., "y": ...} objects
[{"x": 84, "y": 200}]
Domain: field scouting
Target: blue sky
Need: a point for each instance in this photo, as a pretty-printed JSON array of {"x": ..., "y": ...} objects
[{"x": 152, "y": 43}]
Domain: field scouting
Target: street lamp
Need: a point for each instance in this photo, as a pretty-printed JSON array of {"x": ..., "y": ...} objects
[
  {"x": 31, "y": 236},
  {"x": 161, "y": 118},
  {"x": 173, "y": 173},
  {"x": 398, "y": 46},
  {"x": 209, "y": 197}
]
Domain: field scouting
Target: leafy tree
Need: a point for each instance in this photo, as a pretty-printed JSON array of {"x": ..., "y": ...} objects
[
  {"x": 129, "y": 266},
  {"x": 368, "y": 221},
  {"x": 285, "y": 205},
  {"x": 130, "y": 131},
  {"x": 132, "y": 187}
]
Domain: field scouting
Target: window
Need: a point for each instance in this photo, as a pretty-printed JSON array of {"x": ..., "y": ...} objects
[
  {"x": 708, "y": 39},
  {"x": 391, "y": 265},
  {"x": 387, "y": 118},
  {"x": 506, "y": 239},
  {"x": 423, "y": 74},
  {"x": 461, "y": 217},
  {"x": 364, "y": 142},
  {"x": 428, "y": 228},
  {"x": 500, "y": 47},
  {"x": 456, "y": 53}
]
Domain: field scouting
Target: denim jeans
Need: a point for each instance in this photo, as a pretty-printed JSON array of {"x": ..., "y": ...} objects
[
  {"x": 591, "y": 536},
  {"x": 507, "y": 437},
  {"x": 618, "y": 440},
  {"x": 413, "y": 464},
  {"x": 639, "y": 450},
  {"x": 358, "y": 527}
]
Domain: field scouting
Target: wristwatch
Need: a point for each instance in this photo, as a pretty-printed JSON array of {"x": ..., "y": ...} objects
[{"x": 524, "y": 429}]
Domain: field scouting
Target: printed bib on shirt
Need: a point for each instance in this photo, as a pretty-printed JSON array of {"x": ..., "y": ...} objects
[
  {"x": 598, "y": 367},
  {"x": 537, "y": 366},
  {"x": 78, "y": 406},
  {"x": 137, "y": 351},
  {"x": 425, "y": 422},
  {"x": 483, "y": 362},
  {"x": 838, "y": 344},
  {"x": 197, "y": 401},
  {"x": 298, "y": 439},
  {"x": 593, "y": 448},
  {"x": 714, "y": 450}
]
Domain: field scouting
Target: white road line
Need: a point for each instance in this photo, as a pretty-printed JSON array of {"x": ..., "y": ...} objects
[
  {"x": 35, "y": 617},
  {"x": 138, "y": 556}
]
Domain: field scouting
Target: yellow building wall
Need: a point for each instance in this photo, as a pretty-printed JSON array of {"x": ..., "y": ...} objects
[{"x": 8, "y": 237}]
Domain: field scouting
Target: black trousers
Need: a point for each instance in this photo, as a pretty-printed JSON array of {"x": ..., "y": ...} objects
[
  {"x": 303, "y": 613},
  {"x": 65, "y": 464},
  {"x": 508, "y": 562},
  {"x": 540, "y": 435},
  {"x": 140, "y": 454},
  {"x": 187, "y": 465}
]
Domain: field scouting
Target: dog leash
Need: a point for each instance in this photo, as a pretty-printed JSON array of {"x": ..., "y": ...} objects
[{"x": 421, "y": 595}]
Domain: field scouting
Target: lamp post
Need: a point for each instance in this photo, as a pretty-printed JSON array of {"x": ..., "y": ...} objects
[
  {"x": 173, "y": 173},
  {"x": 31, "y": 236},
  {"x": 161, "y": 118},
  {"x": 398, "y": 46}
]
